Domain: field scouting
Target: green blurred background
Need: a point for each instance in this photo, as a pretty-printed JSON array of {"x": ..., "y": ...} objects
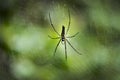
[{"x": 26, "y": 51}]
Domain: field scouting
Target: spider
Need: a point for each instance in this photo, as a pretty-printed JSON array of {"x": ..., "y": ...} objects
[{"x": 62, "y": 37}]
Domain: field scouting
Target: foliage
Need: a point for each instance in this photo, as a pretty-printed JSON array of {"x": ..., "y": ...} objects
[{"x": 28, "y": 51}]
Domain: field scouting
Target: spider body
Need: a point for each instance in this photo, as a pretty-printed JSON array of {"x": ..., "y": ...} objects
[
  {"x": 63, "y": 34},
  {"x": 62, "y": 37}
]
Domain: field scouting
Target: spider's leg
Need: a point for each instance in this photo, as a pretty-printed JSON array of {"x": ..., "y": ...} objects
[
  {"x": 53, "y": 38},
  {"x": 73, "y": 47},
  {"x": 72, "y": 35},
  {"x": 68, "y": 22},
  {"x": 53, "y": 25},
  {"x": 65, "y": 50},
  {"x": 56, "y": 47}
]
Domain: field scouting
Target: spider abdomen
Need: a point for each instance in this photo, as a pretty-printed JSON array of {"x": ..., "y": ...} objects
[{"x": 63, "y": 33}]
